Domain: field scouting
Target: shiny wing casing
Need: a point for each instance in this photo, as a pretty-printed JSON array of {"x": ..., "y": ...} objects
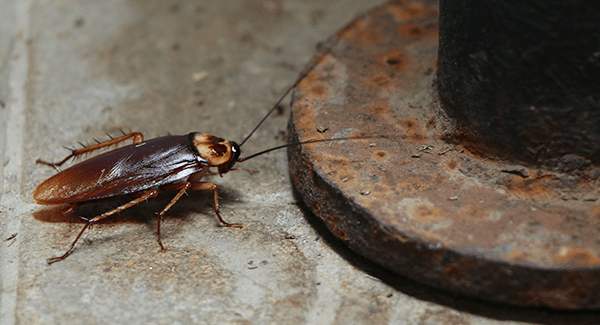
[{"x": 125, "y": 170}]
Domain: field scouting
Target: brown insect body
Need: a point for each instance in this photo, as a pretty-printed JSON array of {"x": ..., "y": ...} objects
[
  {"x": 166, "y": 163},
  {"x": 138, "y": 167}
]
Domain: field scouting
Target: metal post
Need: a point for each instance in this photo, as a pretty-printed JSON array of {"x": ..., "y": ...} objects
[{"x": 522, "y": 78}]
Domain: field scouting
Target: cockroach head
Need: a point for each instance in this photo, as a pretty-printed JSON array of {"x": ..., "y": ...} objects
[{"x": 217, "y": 152}]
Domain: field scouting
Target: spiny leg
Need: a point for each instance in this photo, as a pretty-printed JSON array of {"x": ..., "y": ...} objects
[
  {"x": 202, "y": 186},
  {"x": 137, "y": 138},
  {"x": 145, "y": 196}
]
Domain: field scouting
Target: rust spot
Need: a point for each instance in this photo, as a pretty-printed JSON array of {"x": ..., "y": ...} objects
[
  {"x": 473, "y": 213},
  {"x": 318, "y": 91},
  {"x": 402, "y": 10},
  {"x": 380, "y": 81},
  {"x": 596, "y": 212},
  {"x": 380, "y": 109},
  {"x": 305, "y": 117},
  {"x": 411, "y": 31},
  {"x": 416, "y": 31},
  {"x": 532, "y": 188},
  {"x": 393, "y": 61},
  {"x": 394, "y": 58},
  {"x": 415, "y": 136},
  {"x": 425, "y": 214},
  {"x": 313, "y": 88},
  {"x": 380, "y": 154},
  {"x": 350, "y": 30},
  {"x": 335, "y": 227},
  {"x": 407, "y": 123},
  {"x": 577, "y": 257},
  {"x": 452, "y": 164}
]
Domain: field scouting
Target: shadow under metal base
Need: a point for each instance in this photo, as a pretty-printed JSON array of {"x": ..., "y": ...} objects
[{"x": 420, "y": 206}]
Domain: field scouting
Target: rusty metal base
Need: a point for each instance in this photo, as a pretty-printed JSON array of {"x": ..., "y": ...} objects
[{"x": 426, "y": 208}]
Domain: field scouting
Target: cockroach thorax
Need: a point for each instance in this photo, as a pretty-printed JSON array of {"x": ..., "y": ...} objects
[{"x": 216, "y": 151}]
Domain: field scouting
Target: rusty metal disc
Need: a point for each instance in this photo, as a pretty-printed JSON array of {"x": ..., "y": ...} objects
[{"x": 420, "y": 206}]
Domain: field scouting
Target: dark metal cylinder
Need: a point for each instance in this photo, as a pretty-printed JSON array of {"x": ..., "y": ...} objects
[{"x": 522, "y": 78}]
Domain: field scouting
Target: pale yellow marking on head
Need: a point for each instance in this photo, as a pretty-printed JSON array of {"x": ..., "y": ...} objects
[{"x": 216, "y": 151}]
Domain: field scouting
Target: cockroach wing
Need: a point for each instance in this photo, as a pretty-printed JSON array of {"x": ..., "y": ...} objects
[{"x": 129, "y": 169}]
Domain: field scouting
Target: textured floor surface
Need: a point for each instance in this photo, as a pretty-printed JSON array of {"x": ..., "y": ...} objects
[{"x": 74, "y": 71}]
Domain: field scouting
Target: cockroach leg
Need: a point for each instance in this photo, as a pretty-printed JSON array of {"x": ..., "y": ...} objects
[
  {"x": 137, "y": 138},
  {"x": 185, "y": 186},
  {"x": 60, "y": 258},
  {"x": 200, "y": 186},
  {"x": 145, "y": 196},
  {"x": 70, "y": 208}
]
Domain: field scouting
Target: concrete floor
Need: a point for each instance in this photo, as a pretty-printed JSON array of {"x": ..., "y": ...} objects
[{"x": 74, "y": 71}]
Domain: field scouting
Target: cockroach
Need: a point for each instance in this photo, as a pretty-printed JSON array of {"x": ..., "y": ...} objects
[{"x": 173, "y": 162}]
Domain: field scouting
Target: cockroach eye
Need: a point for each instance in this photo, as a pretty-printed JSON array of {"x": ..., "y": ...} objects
[{"x": 235, "y": 149}]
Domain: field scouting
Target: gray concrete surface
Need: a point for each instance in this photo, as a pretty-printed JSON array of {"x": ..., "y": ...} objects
[{"x": 73, "y": 71}]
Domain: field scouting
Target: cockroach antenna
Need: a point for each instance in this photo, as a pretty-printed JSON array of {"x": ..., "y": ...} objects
[
  {"x": 324, "y": 49},
  {"x": 310, "y": 141}
]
